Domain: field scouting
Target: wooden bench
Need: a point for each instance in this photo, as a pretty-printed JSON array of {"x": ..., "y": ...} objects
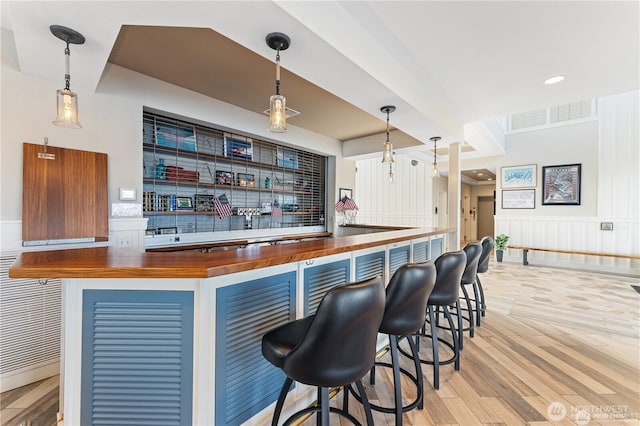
[{"x": 525, "y": 251}]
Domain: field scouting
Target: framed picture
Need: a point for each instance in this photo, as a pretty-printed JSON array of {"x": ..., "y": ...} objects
[
  {"x": 184, "y": 203},
  {"x": 519, "y": 176},
  {"x": 176, "y": 136},
  {"x": 518, "y": 198},
  {"x": 238, "y": 147},
  {"x": 287, "y": 158},
  {"x": 204, "y": 202},
  {"x": 345, "y": 192},
  {"x": 561, "y": 184},
  {"x": 245, "y": 179},
  {"x": 224, "y": 178}
]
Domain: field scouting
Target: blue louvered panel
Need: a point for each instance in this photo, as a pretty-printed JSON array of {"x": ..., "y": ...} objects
[
  {"x": 436, "y": 247},
  {"x": 245, "y": 381},
  {"x": 322, "y": 278},
  {"x": 397, "y": 257},
  {"x": 421, "y": 252},
  {"x": 370, "y": 266},
  {"x": 137, "y": 357}
]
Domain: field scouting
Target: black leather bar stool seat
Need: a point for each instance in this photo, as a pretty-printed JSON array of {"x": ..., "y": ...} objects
[
  {"x": 407, "y": 295},
  {"x": 335, "y": 347},
  {"x": 449, "y": 269},
  {"x": 483, "y": 266}
]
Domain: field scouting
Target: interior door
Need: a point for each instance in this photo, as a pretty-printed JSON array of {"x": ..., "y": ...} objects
[{"x": 485, "y": 217}]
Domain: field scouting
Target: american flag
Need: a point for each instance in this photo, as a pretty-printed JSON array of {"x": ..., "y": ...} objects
[
  {"x": 349, "y": 204},
  {"x": 340, "y": 206},
  {"x": 276, "y": 210},
  {"x": 223, "y": 208}
]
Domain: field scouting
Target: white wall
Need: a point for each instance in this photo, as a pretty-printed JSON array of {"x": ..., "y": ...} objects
[
  {"x": 609, "y": 151},
  {"x": 112, "y": 123},
  {"x": 406, "y": 202}
]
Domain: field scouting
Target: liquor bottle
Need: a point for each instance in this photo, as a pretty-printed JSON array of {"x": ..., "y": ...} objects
[{"x": 160, "y": 169}]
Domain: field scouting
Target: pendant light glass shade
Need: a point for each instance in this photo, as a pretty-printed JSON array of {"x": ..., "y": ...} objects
[
  {"x": 387, "y": 152},
  {"x": 67, "y": 109},
  {"x": 277, "y": 102},
  {"x": 277, "y": 114},
  {"x": 67, "y": 101}
]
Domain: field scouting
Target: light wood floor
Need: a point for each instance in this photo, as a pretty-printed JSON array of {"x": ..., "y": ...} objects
[{"x": 551, "y": 337}]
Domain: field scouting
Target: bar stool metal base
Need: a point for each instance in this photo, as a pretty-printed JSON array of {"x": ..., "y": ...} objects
[
  {"x": 454, "y": 345},
  {"x": 417, "y": 380},
  {"x": 322, "y": 408}
]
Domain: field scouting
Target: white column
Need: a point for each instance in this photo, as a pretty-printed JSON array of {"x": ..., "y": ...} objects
[{"x": 454, "y": 190}]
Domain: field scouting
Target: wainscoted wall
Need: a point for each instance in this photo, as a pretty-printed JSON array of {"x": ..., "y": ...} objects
[
  {"x": 30, "y": 312},
  {"x": 573, "y": 233},
  {"x": 406, "y": 202}
]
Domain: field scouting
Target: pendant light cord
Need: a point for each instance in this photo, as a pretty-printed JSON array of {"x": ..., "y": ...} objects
[
  {"x": 278, "y": 70},
  {"x": 67, "y": 75},
  {"x": 387, "y": 125}
]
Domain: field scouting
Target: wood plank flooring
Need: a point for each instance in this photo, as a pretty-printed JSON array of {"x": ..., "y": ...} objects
[{"x": 557, "y": 347}]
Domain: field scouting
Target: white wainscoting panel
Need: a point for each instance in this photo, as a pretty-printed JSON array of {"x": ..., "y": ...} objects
[
  {"x": 30, "y": 314},
  {"x": 574, "y": 233}
]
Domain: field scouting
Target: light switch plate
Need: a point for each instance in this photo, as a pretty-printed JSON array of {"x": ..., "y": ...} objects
[{"x": 127, "y": 194}]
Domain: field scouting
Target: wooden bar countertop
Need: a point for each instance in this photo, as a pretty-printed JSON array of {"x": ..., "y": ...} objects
[{"x": 110, "y": 262}]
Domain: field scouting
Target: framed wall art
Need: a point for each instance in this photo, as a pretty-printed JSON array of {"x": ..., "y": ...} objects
[
  {"x": 287, "y": 158},
  {"x": 519, "y": 176},
  {"x": 345, "y": 192},
  {"x": 248, "y": 180},
  {"x": 224, "y": 177},
  {"x": 176, "y": 136},
  {"x": 518, "y": 198},
  {"x": 561, "y": 184},
  {"x": 238, "y": 147}
]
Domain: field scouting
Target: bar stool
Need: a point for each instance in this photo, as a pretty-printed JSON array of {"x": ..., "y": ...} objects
[
  {"x": 483, "y": 266},
  {"x": 407, "y": 295},
  {"x": 335, "y": 347},
  {"x": 449, "y": 269},
  {"x": 469, "y": 276}
]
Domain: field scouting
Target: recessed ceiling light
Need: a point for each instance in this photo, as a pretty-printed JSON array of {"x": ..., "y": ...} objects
[
  {"x": 489, "y": 179},
  {"x": 480, "y": 174},
  {"x": 554, "y": 80}
]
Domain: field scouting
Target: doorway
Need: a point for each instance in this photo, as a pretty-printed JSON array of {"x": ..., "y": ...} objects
[{"x": 485, "y": 216}]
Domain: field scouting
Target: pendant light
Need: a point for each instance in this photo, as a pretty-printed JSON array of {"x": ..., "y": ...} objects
[
  {"x": 387, "y": 153},
  {"x": 67, "y": 101},
  {"x": 277, "y": 102},
  {"x": 435, "y": 140}
]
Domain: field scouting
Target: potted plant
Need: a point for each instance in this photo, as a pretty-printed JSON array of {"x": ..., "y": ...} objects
[{"x": 501, "y": 244}]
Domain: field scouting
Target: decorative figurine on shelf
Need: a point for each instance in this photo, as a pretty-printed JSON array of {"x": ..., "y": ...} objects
[{"x": 160, "y": 169}]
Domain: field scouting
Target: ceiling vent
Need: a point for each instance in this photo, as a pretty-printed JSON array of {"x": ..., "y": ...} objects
[
  {"x": 529, "y": 119},
  {"x": 572, "y": 111}
]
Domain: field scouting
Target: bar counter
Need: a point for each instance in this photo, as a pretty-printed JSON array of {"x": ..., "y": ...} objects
[
  {"x": 182, "y": 331},
  {"x": 109, "y": 262}
]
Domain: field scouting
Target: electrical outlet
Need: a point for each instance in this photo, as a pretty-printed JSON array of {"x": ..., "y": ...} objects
[{"x": 124, "y": 241}]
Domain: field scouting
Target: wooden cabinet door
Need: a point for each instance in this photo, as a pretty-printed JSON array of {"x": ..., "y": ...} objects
[{"x": 65, "y": 197}]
